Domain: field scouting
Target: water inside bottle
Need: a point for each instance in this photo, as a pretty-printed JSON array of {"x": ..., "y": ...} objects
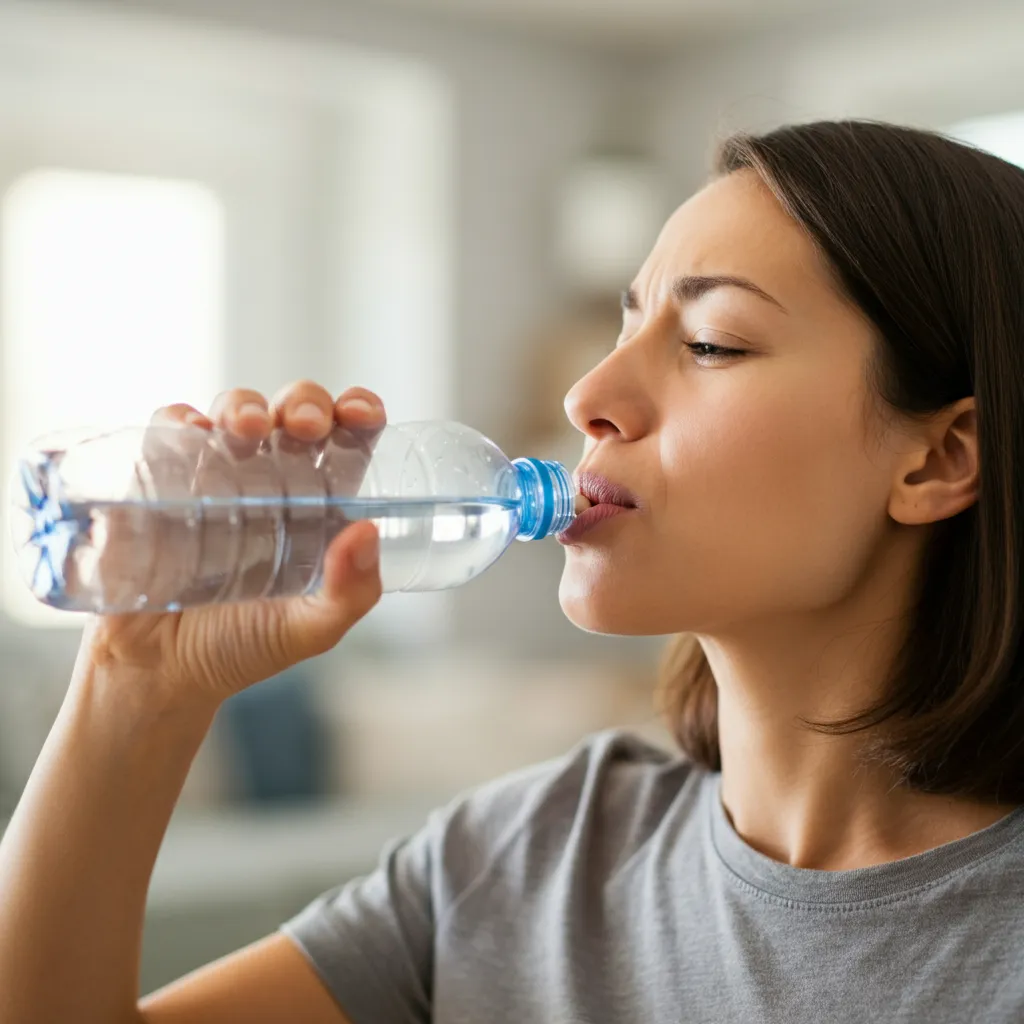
[
  {"x": 435, "y": 544},
  {"x": 166, "y": 555}
]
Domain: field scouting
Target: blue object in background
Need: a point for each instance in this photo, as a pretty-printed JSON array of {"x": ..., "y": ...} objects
[{"x": 278, "y": 743}]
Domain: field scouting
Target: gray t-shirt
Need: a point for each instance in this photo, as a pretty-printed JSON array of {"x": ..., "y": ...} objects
[{"x": 610, "y": 886}]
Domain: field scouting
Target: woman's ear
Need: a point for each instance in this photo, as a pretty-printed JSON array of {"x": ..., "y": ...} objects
[{"x": 939, "y": 476}]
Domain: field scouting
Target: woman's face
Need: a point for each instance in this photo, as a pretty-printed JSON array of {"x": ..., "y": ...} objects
[{"x": 763, "y": 482}]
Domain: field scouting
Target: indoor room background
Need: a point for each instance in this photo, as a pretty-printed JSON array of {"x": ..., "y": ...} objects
[{"x": 438, "y": 199}]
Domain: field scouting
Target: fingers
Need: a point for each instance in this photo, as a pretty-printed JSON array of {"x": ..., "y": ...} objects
[
  {"x": 242, "y": 411},
  {"x": 180, "y": 413},
  {"x": 351, "y": 586},
  {"x": 359, "y": 407},
  {"x": 303, "y": 409},
  {"x": 352, "y": 563}
]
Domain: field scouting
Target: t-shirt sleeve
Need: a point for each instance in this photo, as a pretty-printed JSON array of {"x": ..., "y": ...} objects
[{"x": 372, "y": 940}]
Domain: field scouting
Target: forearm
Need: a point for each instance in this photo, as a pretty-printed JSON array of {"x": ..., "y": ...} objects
[{"x": 78, "y": 854}]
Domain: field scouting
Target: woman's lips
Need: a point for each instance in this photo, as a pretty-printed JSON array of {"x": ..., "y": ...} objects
[
  {"x": 600, "y": 490},
  {"x": 606, "y": 499},
  {"x": 587, "y": 520}
]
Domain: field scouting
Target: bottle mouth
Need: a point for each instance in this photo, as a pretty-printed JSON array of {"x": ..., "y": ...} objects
[{"x": 547, "y": 496}]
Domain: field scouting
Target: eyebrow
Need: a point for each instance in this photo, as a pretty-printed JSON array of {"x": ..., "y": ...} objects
[{"x": 694, "y": 287}]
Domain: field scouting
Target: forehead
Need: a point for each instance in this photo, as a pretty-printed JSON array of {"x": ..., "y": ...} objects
[{"x": 734, "y": 225}]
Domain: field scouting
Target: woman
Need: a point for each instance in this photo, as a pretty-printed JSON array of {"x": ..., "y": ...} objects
[{"x": 814, "y": 415}]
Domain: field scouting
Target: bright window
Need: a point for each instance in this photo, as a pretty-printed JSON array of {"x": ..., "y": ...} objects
[
  {"x": 1001, "y": 134},
  {"x": 111, "y": 294}
]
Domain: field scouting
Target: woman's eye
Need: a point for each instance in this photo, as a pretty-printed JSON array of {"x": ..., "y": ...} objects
[{"x": 707, "y": 353}]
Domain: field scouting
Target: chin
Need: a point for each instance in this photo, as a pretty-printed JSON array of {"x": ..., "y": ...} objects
[{"x": 603, "y": 602}]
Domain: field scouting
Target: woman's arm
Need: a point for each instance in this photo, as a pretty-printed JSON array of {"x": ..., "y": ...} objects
[
  {"x": 265, "y": 983},
  {"x": 75, "y": 865},
  {"x": 77, "y": 857}
]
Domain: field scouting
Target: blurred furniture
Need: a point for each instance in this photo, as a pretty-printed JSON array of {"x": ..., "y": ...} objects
[
  {"x": 460, "y": 718},
  {"x": 279, "y": 748}
]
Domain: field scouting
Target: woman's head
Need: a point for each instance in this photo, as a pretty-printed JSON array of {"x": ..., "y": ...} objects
[{"x": 831, "y": 466}]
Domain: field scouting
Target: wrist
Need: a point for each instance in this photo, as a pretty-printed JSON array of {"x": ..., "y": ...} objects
[{"x": 138, "y": 698}]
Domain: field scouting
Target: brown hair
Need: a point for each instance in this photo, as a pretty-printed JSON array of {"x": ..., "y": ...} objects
[{"x": 926, "y": 236}]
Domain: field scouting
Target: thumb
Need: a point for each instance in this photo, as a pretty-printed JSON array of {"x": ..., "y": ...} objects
[{"x": 351, "y": 586}]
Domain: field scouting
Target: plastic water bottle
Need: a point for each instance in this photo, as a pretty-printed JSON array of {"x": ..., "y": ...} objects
[{"x": 166, "y": 517}]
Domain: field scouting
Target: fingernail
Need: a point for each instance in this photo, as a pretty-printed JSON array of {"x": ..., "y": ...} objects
[
  {"x": 197, "y": 418},
  {"x": 252, "y": 409},
  {"x": 366, "y": 554},
  {"x": 358, "y": 405},
  {"x": 310, "y": 411}
]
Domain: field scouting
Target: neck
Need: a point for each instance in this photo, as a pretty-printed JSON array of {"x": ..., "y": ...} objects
[{"x": 807, "y": 798}]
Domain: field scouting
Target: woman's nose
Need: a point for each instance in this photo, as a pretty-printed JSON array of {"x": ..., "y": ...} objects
[{"x": 607, "y": 403}]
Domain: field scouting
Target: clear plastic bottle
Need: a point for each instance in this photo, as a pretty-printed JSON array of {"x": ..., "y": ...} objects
[{"x": 166, "y": 517}]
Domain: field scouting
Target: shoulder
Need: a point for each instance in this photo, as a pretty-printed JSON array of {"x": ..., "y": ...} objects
[
  {"x": 606, "y": 770},
  {"x": 606, "y": 797}
]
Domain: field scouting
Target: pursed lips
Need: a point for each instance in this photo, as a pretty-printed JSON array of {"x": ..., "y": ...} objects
[
  {"x": 608, "y": 499},
  {"x": 602, "y": 491}
]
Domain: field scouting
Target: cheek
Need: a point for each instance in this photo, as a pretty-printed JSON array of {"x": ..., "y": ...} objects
[
  {"x": 774, "y": 501},
  {"x": 762, "y": 502}
]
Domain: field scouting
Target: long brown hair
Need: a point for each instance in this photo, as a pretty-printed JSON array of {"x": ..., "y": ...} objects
[{"x": 926, "y": 236}]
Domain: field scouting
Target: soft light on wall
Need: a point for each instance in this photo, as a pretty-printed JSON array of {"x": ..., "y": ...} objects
[
  {"x": 112, "y": 290},
  {"x": 610, "y": 209}
]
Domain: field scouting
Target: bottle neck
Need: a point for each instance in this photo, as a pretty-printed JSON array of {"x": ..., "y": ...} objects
[{"x": 547, "y": 497}]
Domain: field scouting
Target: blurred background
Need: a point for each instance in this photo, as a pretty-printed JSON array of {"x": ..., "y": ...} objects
[{"x": 438, "y": 199}]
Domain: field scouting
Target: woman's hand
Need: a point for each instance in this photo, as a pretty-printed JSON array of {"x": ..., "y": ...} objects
[{"x": 214, "y": 651}]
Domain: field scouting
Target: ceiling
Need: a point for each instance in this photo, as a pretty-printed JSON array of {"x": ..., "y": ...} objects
[{"x": 658, "y": 23}]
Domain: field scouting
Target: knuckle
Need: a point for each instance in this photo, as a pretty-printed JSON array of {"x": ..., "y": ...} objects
[
  {"x": 301, "y": 391},
  {"x": 178, "y": 414},
  {"x": 371, "y": 594},
  {"x": 228, "y": 401},
  {"x": 364, "y": 393}
]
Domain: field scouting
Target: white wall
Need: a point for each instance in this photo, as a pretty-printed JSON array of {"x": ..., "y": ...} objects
[
  {"x": 924, "y": 69},
  {"x": 524, "y": 109}
]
